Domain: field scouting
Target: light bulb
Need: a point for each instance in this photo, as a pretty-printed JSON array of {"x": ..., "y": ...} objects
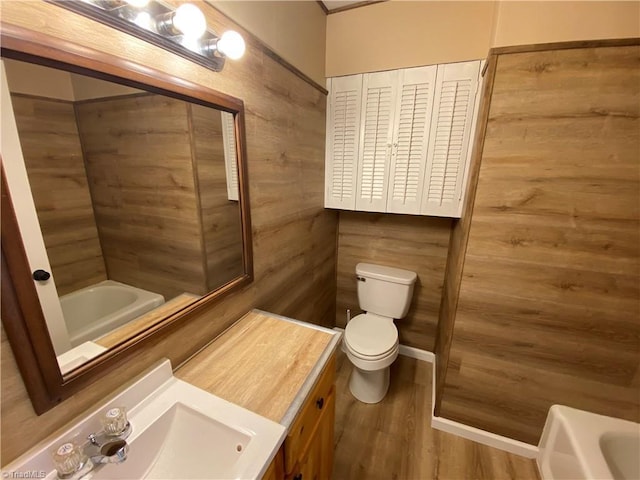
[
  {"x": 190, "y": 21},
  {"x": 231, "y": 44},
  {"x": 137, "y": 3},
  {"x": 143, "y": 20}
]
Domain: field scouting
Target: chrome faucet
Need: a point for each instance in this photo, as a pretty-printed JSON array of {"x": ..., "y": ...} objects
[
  {"x": 103, "y": 448},
  {"x": 109, "y": 445}
]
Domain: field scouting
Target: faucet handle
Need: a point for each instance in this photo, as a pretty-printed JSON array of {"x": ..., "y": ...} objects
[
  {"x": 70, "y": 461},
  {"x": 115, "y": 421}
]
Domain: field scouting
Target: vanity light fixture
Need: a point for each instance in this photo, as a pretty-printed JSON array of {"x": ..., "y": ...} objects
[
  {"x": 182, "y": 30},
  {"x": 187, "y": 20},
  {"x": 230, "y": 45}
]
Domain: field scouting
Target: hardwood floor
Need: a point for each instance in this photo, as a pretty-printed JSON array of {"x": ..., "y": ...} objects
[{"x": 393, "y": 439}]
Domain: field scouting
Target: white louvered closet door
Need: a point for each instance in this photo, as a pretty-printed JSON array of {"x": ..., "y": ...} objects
[
  {"x": 230, "y": 156},
  {"x": 449, "y": 140},
  {"x": 378, "y": 102},
  {"x": 343, "y": 139},
  {"x": 414, "y": 105}
]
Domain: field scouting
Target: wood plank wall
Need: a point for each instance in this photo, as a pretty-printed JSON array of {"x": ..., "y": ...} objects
[
  {"x": 549, "y": 306},
  {"x": 219, "y": 216},
  {"x": 55, "y": 166},
  {"x": 139, "y": 164},
  {"x": 294, "y": 237},
  {"x": 411, "y": 242},
  {"x": 458, "y": 241}
]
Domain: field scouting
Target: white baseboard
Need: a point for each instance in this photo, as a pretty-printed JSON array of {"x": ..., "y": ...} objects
[
  {"x": 486, "y": 438},
  {"x": 462, "y": 430},
  {"x": 417, "y": 353},
  {"x": 476, "y": 434}
]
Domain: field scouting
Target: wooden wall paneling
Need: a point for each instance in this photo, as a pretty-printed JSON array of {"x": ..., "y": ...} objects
[
  {"x": 138, "y": 158},
  {"x": 458, "y": 240},
  {"x": 220, "y": 217},
  {"x": 549, "y": 307},
  {"x": 413, "y": 243},
  {"x": 293, "y": 183},
  {"x": 54, "y": 162},
  {"x": 285, "y": 122},
  {"x": 196, "y": 187}
]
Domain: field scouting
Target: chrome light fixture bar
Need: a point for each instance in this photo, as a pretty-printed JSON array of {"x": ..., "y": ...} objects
[{"x": 182, "y": 31}]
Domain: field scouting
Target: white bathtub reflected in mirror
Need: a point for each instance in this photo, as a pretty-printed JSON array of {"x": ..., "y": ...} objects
[
  {"x": 96, "y": 310},
  {"x": 101, "y": 316}
]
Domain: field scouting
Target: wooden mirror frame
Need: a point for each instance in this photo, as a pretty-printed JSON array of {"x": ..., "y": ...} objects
[{"x": 22, "y": 314}]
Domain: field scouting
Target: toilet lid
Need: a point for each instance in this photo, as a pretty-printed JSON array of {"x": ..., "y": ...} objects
[{"x": 371, "y": 335}]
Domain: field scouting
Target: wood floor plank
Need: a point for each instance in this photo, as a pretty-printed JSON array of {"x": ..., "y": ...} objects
[{"x": 393, "y": 439}]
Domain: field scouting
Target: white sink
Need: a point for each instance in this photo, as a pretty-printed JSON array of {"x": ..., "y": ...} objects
[
  {"x": 584, "y": 445},
  {"x": 175, "y": 446},
  {"x": 179, "y": 432}
]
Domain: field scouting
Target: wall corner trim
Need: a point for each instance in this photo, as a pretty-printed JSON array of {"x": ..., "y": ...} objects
[{"x": 478, "y": 435}]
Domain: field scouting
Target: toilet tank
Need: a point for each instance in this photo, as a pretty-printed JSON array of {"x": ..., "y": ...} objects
[{"x": 385, "y": 291}]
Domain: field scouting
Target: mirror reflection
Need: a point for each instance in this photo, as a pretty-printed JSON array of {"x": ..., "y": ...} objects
[{"x": 136, "y": 195}]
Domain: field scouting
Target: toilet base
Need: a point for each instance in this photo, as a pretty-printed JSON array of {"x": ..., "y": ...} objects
[{"x": 369, "y": 386}]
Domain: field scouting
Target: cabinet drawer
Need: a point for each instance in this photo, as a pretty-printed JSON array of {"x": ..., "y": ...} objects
[{"x": 303, "y": 426}]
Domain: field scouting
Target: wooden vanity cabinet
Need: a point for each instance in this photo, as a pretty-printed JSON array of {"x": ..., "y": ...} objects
[
  {"x": 308, "y": 448},
  {"x": 276, "y": 468}
]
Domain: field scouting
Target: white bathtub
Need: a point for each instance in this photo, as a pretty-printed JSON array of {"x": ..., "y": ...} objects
[
  {"x": 582, "y": 445},
  {"x": 93, "y": 311}
]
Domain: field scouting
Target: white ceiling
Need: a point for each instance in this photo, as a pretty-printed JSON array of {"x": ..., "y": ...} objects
[{"x": 333, "y": 4}]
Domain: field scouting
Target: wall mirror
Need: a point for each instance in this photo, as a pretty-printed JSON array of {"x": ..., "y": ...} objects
[{"x": 128, "y": 190}]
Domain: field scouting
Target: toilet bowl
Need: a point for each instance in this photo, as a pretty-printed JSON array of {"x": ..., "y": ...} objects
[
  {"x": 371, "y": 339},
  {"x": 371, "y": 344}
]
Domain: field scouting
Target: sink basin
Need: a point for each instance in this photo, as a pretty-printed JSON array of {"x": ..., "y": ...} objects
[
  {"x": 179, "y": 432},
  {"x": 584, "y": 445},
  {"x": 177, "y": 446}
]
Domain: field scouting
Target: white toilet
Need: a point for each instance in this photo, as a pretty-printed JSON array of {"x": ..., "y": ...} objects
[{"x": 371, "y": 339}]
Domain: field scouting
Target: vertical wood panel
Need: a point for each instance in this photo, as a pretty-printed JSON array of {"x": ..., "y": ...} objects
[
  {"x": 220, "y": 217},
  {"x": 294, "y": 239},
  {"x": 413, "y": 243},
  {"x": 138, "y": 156},
  {"x": 53, "y": 158},
  {"x": 458, "y": 242},
  {"x": 549, "y": 307}
]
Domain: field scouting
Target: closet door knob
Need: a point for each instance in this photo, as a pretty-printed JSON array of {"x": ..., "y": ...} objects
[
  {"x": 41, "y": 275},
  {"x": 320, "y": 403},
  {"x": 298, "y": 477}
]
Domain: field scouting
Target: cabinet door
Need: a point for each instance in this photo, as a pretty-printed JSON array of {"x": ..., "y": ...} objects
[
  {"x": 317, "y": 461},
  {"x": 414, "y": 106},
  {"x": 326, "y": 439},
  {"x": 449, "y": 139},
  {"x": 378, "y": 102},
  {"x": 275, "y": 471},
  {"x": 343, "y": 141}
]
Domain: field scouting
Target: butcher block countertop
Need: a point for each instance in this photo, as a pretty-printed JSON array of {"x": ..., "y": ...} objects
[{"x": 264, "y": 362}]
